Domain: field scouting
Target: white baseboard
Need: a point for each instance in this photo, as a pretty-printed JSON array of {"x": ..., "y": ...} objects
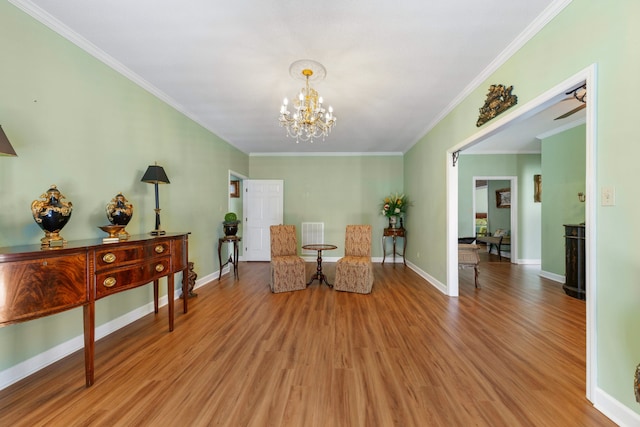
[
  {"x": 314, "y": 258},
  {"x": 30, "y": 366},
  {"x": 615, "y": 410},
  {"x": 552, "y": 276},
  {"x": 24, "y": 369},
  {"x": 426, "y": 276},
  {"x": 209, "y": 278},
  {"x": 528, "y": 261}
]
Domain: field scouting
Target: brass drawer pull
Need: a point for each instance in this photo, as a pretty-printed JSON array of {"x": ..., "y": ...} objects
[
  {"x": 109, "y": 258},
  {"x": 109, "y": 282},
  {"x": 159, "y": 268},
  {"x": 159, "y": 249}
]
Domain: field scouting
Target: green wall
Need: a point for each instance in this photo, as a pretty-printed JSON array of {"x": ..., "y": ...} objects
[
  {"x": 584, "y": 33},
  {"x": 336, "y": 190},
  {"x": 563, "y": 177},
  {"x": 79, "y": 124}
]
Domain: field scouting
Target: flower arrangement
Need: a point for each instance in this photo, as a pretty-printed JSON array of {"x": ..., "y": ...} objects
[{"x": 394, "y": 205}]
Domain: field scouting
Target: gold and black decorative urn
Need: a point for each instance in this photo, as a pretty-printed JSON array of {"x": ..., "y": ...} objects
[
  {"x": 51, "y": 214},
  {"x": 119, "y": 212}
]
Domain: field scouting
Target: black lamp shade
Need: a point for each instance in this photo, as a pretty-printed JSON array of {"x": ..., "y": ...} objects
[
  {"x": 155, "y": 175},
  {"x": 5, "y": 146}
]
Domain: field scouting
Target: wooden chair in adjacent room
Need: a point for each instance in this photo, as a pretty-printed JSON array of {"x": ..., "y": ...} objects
[
  {"x": 354, "y": 271},
  {"x": 468, "y": 257},
  {"x": 287, "y": 267}
]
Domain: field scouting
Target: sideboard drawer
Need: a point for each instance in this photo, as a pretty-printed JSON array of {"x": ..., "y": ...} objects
[
  {"x": 119, "y": 279},
  {"x": 157, "y": 248},
  {"x": 110, "y": 257},
  {"x": 42, "y": 286}
]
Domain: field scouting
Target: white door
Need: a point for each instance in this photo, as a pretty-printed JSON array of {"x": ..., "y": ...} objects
[{"x": 263, "y": 205}]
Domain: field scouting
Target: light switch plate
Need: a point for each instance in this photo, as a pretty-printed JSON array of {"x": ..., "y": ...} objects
[{"x": 608, "y": 196}]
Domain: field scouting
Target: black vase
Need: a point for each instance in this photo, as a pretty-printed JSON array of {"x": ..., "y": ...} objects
[
  {"x": 230, "y": 228},
  {"x": 119, "y": 212},
  {"x": 51, "y": 214}
]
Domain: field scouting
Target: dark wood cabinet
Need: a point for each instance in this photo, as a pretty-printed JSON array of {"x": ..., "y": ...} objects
[
  {"x": 36, "y": 282},
  {"x": 574, "y": 284}
]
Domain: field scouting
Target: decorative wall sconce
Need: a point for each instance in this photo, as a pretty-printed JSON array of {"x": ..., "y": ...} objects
[
  {"x": 5, "y": 146},
  {"x": 537, "y": 188},
  {"x": 581, "y": 196},
  {"x": 156, "y": 175},
  {"x": 499, "y": 99}
]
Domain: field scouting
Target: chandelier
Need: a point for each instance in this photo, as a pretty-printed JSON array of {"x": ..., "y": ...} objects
[{"x": 310, "y": 119}]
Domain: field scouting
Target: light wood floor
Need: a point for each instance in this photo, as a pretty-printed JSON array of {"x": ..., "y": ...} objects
[{"x": 509, "y": 354}]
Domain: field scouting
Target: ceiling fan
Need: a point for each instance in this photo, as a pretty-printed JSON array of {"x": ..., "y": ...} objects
[{"x": 579, "y": 93}]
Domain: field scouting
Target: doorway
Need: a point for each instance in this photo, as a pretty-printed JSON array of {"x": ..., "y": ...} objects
[
  {"x": 543, "y": 101},
  {"x": 490, "y": 216}
]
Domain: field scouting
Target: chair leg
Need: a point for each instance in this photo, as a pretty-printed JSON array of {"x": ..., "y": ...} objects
[{"x": 475, "y": 268}]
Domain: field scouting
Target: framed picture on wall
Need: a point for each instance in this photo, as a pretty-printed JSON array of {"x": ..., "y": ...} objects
[
  {"x": 234, "y": 188},
  {"x": 503, "y": 198}
]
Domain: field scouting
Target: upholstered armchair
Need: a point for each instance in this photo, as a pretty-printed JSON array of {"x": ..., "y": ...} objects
[
  {"x": 287, "y": 268},
  {"x": 354, "y": 271}
]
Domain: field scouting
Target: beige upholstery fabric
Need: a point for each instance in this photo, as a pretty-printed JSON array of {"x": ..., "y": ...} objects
[
  {"x": 354, "y": 272},
  {"x": 468, "y": 257},
  {"x": 287, "y": 268}
]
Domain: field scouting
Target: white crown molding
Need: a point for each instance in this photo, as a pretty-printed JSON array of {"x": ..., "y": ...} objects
[
  {"x": 328, "y": 154},
  {"x": 538, "y": 24},
  {"x": 54, "y": 24},
  {"x": 489, "y": 152}
]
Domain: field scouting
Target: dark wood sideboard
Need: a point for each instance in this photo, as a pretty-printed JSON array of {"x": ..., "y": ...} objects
[{"x": 38, "y": 282}]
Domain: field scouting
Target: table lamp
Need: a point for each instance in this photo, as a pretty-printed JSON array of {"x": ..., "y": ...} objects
[
  {"x": 5, "y": 146},
  {"x": 156, "y": 175}
]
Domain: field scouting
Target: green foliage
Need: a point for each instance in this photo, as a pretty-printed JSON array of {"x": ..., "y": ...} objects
[{"x": 230, "y": 217}]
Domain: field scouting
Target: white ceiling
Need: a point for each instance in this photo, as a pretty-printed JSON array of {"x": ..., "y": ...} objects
[{"x": 393, "y": 68}]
